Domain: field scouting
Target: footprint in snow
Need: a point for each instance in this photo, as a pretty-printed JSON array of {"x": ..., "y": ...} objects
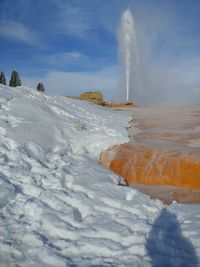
[
  {"x": 77, "y": 215},
  {"x": 4, "y": 103},
  {"x": 7, "y": 191}
]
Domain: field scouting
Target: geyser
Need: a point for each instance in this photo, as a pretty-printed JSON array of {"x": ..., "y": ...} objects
[{"x": 128, "y": 53}]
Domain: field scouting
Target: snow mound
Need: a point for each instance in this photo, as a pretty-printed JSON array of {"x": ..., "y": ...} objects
[{"x": 60, "y": 207}]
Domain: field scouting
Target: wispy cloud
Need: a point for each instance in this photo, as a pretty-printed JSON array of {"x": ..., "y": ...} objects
[
  {"x": 17, "y": 31},
  {"x": 72, "y": 20},
  {"x": 72, "y": 61},
  {"x": 64, "y": 58}
]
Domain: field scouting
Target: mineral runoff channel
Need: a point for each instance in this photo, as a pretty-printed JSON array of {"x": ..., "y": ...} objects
[{"x": 162, "y": 159}]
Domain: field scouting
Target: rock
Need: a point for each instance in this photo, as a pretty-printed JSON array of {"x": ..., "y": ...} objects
[
  {"x": 120, "y": 105},
  {"x": 95, "y": 97},
  {"x": 40, "y": 87},
  {"x": 15, "y": 81},
  {"x": 2, "y": 78}
]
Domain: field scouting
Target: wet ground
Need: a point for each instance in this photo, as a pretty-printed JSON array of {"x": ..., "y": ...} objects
[
  {"x": 168, "y": 128},
  {"x": 163, "y": 158}
]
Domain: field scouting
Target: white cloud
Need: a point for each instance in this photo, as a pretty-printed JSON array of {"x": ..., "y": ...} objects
[
  {"x": 163, "y": 85},
  {"x": 17, "y": 31},
  {"x": 74, "y": 83}
]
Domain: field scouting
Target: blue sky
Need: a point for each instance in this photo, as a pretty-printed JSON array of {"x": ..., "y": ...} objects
[{"x": 71, "y": 45}]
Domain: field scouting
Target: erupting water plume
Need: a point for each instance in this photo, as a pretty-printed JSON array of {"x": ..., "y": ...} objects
[{"x": 128, "y": 53}]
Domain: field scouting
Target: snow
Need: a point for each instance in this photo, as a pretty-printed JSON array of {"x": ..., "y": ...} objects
[{"x": 60, "y": 207}]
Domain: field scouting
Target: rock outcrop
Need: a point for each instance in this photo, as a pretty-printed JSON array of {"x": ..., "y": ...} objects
[
  {"x": 2, "y": 78},
  {"x": 15, "y": 80},
  {"x": 40, "y": 87},
  {"x": 95, "y": 97}
]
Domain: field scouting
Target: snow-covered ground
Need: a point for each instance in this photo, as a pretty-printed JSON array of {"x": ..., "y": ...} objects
[{"x": 60, "y": 207}]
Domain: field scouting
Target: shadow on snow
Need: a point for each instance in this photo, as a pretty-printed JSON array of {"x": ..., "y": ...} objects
[{"x": 167, "y": 246}]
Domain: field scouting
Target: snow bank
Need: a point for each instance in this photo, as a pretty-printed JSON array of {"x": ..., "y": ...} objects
[{"x": 60, "y": 207}]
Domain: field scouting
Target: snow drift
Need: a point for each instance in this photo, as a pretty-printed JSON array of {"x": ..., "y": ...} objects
[{"x": 60, "y": 207}]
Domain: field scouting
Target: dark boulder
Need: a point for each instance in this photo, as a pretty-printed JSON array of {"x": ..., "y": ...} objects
[
  {"x": 2, "y": 78},
  {"x": 40, "y": 87},
  {"x": 15, "y": 81}
]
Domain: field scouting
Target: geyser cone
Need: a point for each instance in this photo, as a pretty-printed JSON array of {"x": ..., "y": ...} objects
[{"x": 128, "y": 52}]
